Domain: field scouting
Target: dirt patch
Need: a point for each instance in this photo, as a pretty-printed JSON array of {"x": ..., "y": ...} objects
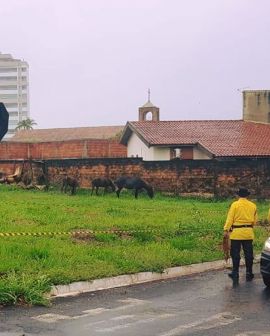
[{"x": 81, "y": 237}]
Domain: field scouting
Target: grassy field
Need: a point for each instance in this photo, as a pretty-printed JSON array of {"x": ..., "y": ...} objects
[{"x": 186, "y": 231}]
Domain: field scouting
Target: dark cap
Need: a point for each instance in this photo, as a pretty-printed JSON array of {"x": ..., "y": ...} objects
[{"x": 243, "y": 192}]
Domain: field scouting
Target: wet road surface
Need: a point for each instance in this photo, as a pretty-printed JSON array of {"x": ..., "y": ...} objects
[{"x": 205, "y": 304}]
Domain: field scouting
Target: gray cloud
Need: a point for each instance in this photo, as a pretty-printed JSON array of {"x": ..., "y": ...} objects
[{"x": 92, "y": 61}]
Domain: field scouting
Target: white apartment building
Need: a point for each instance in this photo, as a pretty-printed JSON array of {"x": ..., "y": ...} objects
[{"x": 14, "y": 89}]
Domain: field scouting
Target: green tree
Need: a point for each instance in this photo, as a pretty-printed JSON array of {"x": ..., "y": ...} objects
[{"x": 26, "y": 124}]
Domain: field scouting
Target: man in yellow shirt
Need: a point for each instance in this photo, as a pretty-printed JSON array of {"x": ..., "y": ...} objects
[{"x": 241, "y": 218}]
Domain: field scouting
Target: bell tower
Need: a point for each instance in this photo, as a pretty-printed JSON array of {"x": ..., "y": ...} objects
[{"x": 148, "y": 108}]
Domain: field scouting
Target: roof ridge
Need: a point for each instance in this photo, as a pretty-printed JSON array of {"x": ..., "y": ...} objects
[
  {"x": 219, "y": 137},
  {"x": 68, "y": 128},
  {"x": 185, "y": 120}
]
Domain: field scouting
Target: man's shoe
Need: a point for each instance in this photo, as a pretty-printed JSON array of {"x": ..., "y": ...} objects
[
  {"x": 233, "y": 276},
  {"x": 249, "y": 277}
]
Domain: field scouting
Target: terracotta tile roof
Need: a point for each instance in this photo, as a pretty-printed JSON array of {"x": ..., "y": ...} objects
[
  {"x": 65, "y": 134},
  {"x": 222, "y": 138}
]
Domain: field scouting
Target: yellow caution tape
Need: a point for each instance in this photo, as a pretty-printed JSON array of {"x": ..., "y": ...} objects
[
  {"x": 15, "y": 234},
  {"x": 67, "y": 233},
  {"x": 62, "y": 233}
]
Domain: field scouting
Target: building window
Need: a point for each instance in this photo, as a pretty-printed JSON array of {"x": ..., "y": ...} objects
[
  {"x": 175, "y": 153},
  {"x": 183, "y": 153},
  {"x": 13, "y": 114},
  {"x": 148, "y": 115},
  {"x": 8, "y": 78}
]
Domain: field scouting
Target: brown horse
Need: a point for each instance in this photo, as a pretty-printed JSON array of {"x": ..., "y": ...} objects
[
  {"x": 133, "y": 183},
  {"x": 69, "y": 182},
  {"x": 102, "y": 182}
]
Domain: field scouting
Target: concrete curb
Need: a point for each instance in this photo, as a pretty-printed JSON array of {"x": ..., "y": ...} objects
[{"x": 76, "y": 288}]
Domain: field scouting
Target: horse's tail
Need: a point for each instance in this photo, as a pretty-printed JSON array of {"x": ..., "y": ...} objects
[{"x": 64, "y": 181}]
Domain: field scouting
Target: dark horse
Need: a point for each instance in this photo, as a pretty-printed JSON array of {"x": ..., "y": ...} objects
[
  {"x": 133, "y": 183},
  {"x": 69, "y": 182},
  {"x": 102, "y": 183}
]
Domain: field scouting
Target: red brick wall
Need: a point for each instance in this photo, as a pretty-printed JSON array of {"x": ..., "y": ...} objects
[
  {"x": 85, "y": 170},
  {"x": 180, "y": 177},
  {"x": 10, "y": 150},
  {"x": 62, "y": 149}
]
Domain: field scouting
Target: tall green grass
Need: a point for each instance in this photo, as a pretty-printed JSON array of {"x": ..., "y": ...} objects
[{"x": 185, "y": 231}]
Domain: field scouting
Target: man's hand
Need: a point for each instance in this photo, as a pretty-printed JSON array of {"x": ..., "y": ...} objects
[{"x": 226, "y": 234}]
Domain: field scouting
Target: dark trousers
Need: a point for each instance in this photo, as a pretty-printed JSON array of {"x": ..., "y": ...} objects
[{"x": 235, "y": 254}]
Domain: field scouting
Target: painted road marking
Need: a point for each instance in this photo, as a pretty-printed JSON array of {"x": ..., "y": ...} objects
[
  {"x": 204, "y": 324},
  {"x": 19, "y": 333},
  {"x": 131, "y": 324},
  {"x": 117, "y": 319},
  {"x": 253, "y": 333},
  {"x": 133, "y": 301},
  {"x": 49, "y": 318},
  {"x": 122, "y": 317},
  {"x": 94, "y": 312},
  {"x": 128, "y": 303}
]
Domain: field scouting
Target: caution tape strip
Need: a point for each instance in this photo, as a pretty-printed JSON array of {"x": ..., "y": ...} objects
[
  {"x": 62, "y": 233},
  {"x": 15, "y": 234},
  {"x": 70, "y": 233}
]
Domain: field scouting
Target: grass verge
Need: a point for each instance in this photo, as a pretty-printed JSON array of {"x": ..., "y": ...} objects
[{"x": 181, "y": 232}]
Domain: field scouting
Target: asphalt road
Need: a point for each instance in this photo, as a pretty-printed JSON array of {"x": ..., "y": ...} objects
[{"x": 205, "y": 304}]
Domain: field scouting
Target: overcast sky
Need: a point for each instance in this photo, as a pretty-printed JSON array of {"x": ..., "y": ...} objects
[{"x": 91, "y": 62}]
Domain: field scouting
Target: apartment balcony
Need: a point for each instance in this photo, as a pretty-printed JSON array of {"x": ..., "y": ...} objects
[
  {"x": 8, "y": 83},
  {"x": 13, "y": 99}
]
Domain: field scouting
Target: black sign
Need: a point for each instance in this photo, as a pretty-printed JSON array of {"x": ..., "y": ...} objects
[{"x": 3, "y": 120}]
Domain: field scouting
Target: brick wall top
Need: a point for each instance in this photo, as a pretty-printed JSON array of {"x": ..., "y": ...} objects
[
  {"x": 221, "y": 178},
  {"x": 62, "y": 149}
]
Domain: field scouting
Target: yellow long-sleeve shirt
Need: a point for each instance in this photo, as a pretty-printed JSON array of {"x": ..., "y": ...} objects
[{"x": 241, "y": 212}]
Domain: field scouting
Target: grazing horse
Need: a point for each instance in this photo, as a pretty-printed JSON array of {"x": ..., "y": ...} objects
[
  {"x": 133, "y": 183},
  {"x": 102, "y": 183},
  {"x": 69, "y": 182}
]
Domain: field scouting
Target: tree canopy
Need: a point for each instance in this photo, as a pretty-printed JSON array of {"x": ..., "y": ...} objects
[{"x": 26, "y": 124}]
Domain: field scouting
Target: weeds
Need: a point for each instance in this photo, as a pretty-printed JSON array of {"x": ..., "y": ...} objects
[
  {"x": 181, "y": 232},
  {"x": 20, "y": 289}
]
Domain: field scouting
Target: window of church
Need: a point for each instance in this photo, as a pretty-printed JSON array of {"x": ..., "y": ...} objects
[{"x": 148, "y": 116}]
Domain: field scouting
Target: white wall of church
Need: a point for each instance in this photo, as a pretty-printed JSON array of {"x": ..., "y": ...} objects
[
  {"x": 136, "y": 147},
  {"x": 161, "y": 153},
  {"x": 198, "y": 154}
]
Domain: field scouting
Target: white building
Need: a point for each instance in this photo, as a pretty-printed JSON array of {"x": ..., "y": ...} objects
[
  {"x": 155, "y": 140},
  {"x": 14, "y": 90}
]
